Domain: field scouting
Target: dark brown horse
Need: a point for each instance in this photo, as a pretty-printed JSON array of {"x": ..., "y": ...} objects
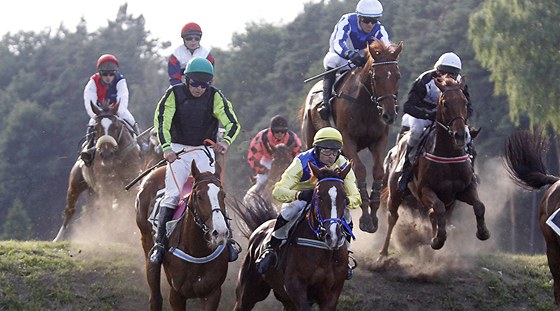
[
  {"x": 313, "y": 267},
  {"x": 443, "y": 174},
  {"x": 364, "y": 107},
  {"x": 197, "y": 264},
  {"x": 524, "y": 154},
  {"x": 281, "y": 158},
  {"x": 117, "y": 161}
]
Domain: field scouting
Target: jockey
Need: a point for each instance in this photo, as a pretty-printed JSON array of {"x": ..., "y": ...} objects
[
  {"x": 191, "y": 34},
  {"x": 421, "y": 107},
  {"x": 295, "y": 189},
  {"x": 348, "y": 42},
  {"x": 259, "y": 155},
  {"x": 108, "y": 83},
  {"x": 185, "y": 117}
]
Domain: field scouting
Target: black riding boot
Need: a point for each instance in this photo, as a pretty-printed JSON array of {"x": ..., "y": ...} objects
[
  {"x": 350, "y": 271},
  {"x": 325, "y": 107},
  {"x": 233, "y": 250},
  {"x": 88, "y": 153},
  {"x": 407, "y": 171},
  {"x": 158, "y": 250},
  {"x": 270, "y": 256}
]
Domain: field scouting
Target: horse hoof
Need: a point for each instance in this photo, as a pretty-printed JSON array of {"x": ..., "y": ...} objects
[
  {"x": 483, "y": 234},
  {"x": 437, "y": 244},
  {"x": 366, "y": 225}
]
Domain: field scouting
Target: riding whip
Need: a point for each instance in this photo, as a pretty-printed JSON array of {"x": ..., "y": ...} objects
[{"x": 325, "y": 73}]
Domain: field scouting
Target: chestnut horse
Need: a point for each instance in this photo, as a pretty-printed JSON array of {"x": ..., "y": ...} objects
[
  {"x": 313, "y": 266},
  {"x": 442, "y": 175},
  {"x": 117, "y": 160},
  {"x": 524, "y": 154},
  {"x": 196, "y": 265},
  {"x": 364, "y": 107},
  {"x": 281, "y": 158}
]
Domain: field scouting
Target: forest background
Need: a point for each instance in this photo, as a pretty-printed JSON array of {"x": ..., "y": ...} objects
[{"x": 509, "y": 49}]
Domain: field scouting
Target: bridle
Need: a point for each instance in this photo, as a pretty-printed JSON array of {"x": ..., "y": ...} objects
[
  {"x": 193, "y": 206},
  {"x": 377, "y": 99},
  {"x": 323, "y": 224},
  {"x": 447, "y": 126}
]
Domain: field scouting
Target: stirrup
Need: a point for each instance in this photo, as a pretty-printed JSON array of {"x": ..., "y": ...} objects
[{"x": 234, "y": 249}]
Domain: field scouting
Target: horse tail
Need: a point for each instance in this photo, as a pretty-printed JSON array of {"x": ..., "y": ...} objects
[
  {"x": 252, "y": 213},
  {"x": 524, "y": 160}
]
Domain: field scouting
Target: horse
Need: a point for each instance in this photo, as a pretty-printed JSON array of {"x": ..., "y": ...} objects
[
  {"x": 442, "y": 175},
  {"x": 364, "y": 107},
  {"x": 281, "y": 158},
  {"x": 523, "y": 158},
  {"x": 196, "y": 265},
  {"x": 117, "y": 160},
  {"x": 313, "y": 266}
]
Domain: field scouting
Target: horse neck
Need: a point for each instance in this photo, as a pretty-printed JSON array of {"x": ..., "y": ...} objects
[{"x": 192, "y": 234}]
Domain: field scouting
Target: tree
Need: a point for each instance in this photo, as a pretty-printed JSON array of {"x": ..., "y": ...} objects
[
  {"x": 517, "y": 41},
  {"x": 18, "y": 225}
]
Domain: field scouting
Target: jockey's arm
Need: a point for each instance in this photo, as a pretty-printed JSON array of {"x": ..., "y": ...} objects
[
  {"x": 223, "y": 111},
  {"x": 122, "y": 96},
  {"x": 90, "y": 95},
  {"x": 286, "y": 189},
  {"x": 163, "y": 117}
]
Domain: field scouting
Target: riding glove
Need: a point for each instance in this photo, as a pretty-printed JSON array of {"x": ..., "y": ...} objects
[
  {"x": 305, "y": 195},
  {"x": 356, "y": 58}
]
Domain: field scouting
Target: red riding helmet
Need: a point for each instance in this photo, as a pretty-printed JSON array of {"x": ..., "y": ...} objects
[
  {"x": 191, "y": 29},
  {"x": 107, "y": 62}
]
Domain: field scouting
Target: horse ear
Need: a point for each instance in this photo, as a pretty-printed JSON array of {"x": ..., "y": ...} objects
[
  {"x": 95, "y": 108},
  {"x": 194, "y": 170},
  {"x": 314, "y": 169},
  {"x": 398, "y": 49},
  {"x": 218, "y": 170},
  {"x": 462, "y": 83},
  {"x": 114, "y": 107},
  {"x": 439, "y": 83},
  {"x": 474, "y": 132},
  {"x": 346, "y": 170}
]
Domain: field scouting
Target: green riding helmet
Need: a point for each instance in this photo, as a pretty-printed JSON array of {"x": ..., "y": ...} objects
[{"x": 199, "y": 69}]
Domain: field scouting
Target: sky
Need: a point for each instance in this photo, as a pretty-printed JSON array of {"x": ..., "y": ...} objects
[{"x": 219, "y": 19}]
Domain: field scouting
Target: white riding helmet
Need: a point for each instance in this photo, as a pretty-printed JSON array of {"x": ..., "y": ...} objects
[
  {"x": 369, "y": 8},
  {"x": 448, "y": 62}
]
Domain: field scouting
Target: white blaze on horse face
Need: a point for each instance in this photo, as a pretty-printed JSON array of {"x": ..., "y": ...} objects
[
  {"x": 389, "y": 74},
  {"x": 218, "y": 219},
  {"x": 333, "y": 193},
  {"x": 106, "y": 123}
]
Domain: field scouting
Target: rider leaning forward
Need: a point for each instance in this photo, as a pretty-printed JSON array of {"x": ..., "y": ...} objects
[{"x": 188, "y": 114}]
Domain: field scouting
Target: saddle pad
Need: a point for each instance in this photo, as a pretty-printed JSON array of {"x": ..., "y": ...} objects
[{"x": 554, "y": 221}]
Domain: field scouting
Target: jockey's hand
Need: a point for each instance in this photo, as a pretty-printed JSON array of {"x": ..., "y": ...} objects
[
  {"x": 356, "y": 58},
  {"x": 221, "y": 147},
  {"x": 170, "y": 156},
  {"x": 305, "y": 195}
]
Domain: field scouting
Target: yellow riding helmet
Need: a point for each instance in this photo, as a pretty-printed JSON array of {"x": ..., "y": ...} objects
[{"x": 328, "y": 138}]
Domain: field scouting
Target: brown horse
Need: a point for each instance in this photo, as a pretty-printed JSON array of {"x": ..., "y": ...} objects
[
  {"x": 281, "y": 158},
  {"x": 364, "y": 106},
  {"x": 524, "y": 154},
  {"x": 117, "y": 161},
  {"x": 314, "y": 264},
  {"x": 443, "y": 174},
  {"x": 196, "y": 265}
]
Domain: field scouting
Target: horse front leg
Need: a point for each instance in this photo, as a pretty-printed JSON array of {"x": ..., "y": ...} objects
[
  {"x": 76, "y": 185},
  {"x": 437, "y": 217},
  {"x": 297, "y": 292},
  {"x": 153, "y": 274},
  {"x": 393, "y": 203},
  {"x": 212, "y": 301},
  {"x": 377, "y": 151},
  {"x": 350, "y": 150},
  {"x": 471, "y": 197}
]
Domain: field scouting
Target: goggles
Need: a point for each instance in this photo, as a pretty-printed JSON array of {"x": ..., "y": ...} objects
[
  {"x": 368, "y": 20},
  {"x": 330, "y": 152},
  {"x": 105, "y": 73},
  {"x": 190, "y": 38},
  {"x": 194, "y": 83}
]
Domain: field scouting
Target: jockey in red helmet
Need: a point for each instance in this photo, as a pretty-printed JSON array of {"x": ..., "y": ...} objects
[
  {"x": 191, "y": 34},
  {"x": 108, "y": 83}
]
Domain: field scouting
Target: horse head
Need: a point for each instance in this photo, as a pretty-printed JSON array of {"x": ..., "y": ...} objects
[
  {"x": 326, "y": 216},
  {"x": 206, "y": 204},
  {"x": 108, "y": 128},
  {"x": 281, "y": 159},
  {"x": 452, "y": 108},
  {"x": 384, "y": 75}
]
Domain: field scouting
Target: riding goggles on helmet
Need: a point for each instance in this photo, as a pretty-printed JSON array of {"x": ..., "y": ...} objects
[{"x": 194, "y": 83}]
